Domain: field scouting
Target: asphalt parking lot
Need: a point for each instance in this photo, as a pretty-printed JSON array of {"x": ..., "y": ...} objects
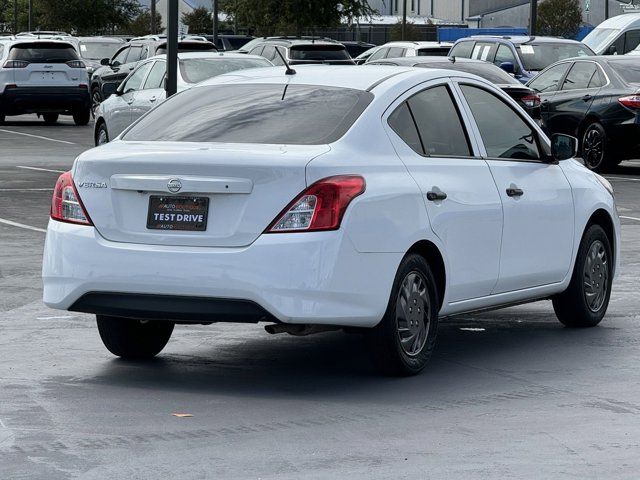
[{"x": 508, "y": 394}]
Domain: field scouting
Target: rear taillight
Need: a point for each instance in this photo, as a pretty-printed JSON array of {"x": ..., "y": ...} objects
[
  {"x": 16, "y": 64},
  {"x": 632, "y": 101},
  {"x": 76, "y": 64},
  {"x": 319, "y": 207},
  {"x": 66, "y": 205},
  {"x": 531, "y": 101}
]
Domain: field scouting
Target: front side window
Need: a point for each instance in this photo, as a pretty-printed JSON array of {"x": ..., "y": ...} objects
[
  {"x": 504, "y": 55},
  {"x": 579, "y": 76},
  {"x": 120, "y": 56},
  {"x": 396, "y": 52},
  {"x": 254, "y": 113},
  {"x": 462, "y": 50},
  {"x": 378, "y": 54},
  {"x": 549, "y": 81},
  {"x": 631, "y": 40},
  {"x": 135, "y": 53},
  {"x": 134, "y": 82},
  {"x": 504, "y": 133}
]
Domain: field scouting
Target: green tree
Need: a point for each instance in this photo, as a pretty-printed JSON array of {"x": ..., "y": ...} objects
[
  {"x": 411, "y": 32},
  {"x": 292, "y": 17},
  {"x": 560, "y": 18},
  {"x": 198, "y": 21},
  {"x": 141, "y": 25}
]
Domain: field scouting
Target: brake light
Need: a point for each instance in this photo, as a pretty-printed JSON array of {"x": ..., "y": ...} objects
[
  {"x": 531, "y": 101},
  {"x": 631, "y": 101},
  {"x": 319, "y": 207},
  {"x": 76, "y": 64},
  {"x": 66, "y": 205},
  {"x": 16, "y": 64}
]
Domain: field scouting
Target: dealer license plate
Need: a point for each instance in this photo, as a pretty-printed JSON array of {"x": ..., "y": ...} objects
[{"x": 178, "y": 213}]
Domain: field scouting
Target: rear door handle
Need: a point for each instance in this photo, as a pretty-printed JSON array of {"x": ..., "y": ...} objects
[
  {"x": 587, "y": 97},
  {"x": 515, "y": 192},
  {"x": 152, "y": 99},
  {"x": 435, "y": 196}
]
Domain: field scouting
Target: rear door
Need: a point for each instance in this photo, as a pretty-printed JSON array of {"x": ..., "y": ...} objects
[
  {"x": 120, "y": 106},
  {"x": 151, "y": 92},
  {"x": 484, "y": 51},
  {"x": 462, "y": 202}
]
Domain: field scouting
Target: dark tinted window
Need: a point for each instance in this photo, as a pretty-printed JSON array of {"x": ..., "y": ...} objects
[
  {"x": 402, "y": 123},
  {"x": 188, "y": 47},
  {"x": 396, "y": 52},
  {"x": 438, "y": 122},
  {"x": 549, "y": 80},
  {"x": 194, "y": 70},
  {"x": 579, "y": 76},
  {"x": 319, "y": 52},
  {"x": 462, "y": 49},
  {"x": 504, "y": 133},
  {"x": 629, "y": 71},
  {"x": 484, "y": 70},
  {"x": 538, "y": 57},
  {"x": 42, "y": 52},
  {"x": 433, "y": 52},
  {"x": 254, "y": 113},
  {"x": 156, "y": 75},
  {"x": 631, "y": 40}
]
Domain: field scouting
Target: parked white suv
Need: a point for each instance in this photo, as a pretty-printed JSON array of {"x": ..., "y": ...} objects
[
  {"x": 45, "y": 77},
  {"x": 404, "y": 49},
  {"x": 330, "y": 198}
]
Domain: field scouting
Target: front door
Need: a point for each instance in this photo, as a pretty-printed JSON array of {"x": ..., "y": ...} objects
[
  {"x": 537, "y": 240},
  {"x": 462, "y": 202}
]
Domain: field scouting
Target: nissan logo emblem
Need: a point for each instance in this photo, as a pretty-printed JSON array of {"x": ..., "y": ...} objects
[{"x": 174, "y": 185}]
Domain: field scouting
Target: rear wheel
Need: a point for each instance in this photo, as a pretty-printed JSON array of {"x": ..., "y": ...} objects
[
  {"x": 585, "y": 301},
  {"x": 595, "y": 151},
  {"x": 404, "y": 340},
  {"x": 50, "y": 118},
  {"x": 96, "y": 98},
  {"x": 102, "y": 136},
  {"x": 82, "y": 117},
  {"x": 133, "y": 339}
]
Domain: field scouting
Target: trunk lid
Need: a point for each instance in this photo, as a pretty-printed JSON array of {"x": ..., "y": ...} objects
[{"x": 247, "y": 186}]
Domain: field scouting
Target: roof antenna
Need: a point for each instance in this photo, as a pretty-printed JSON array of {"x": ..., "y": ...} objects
[{"x": 289, "y": 70}]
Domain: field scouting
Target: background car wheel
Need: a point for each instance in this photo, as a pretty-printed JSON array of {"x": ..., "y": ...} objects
[
  {"x": 403, "y": 341},
  {"x": 96, "y": 98},
  {"x": 595, "y": 152},
  {"x": 102, "y": 136},
  {"x": 50, "y": 118},
  {"x": 585, "y": 301},
  {"x": 133, "y": 339},
  {"x": 82, "y": 117}
]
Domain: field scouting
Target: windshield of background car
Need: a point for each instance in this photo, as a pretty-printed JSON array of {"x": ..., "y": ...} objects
[
  {"x": 319, "y": 52},
  {"x": 538, "y": 57},
  {"x": 43, "y": 52},
  {"x": 195, "y": 70},
  {"x": 485, "y": 70},
  {"x": 599, "y": 38},
  {"x": 254, "y": 113},
  {"x": 628, "y": 71},
  {"x": 98, "y": 50},
  {"x": 188, "y": 47}
]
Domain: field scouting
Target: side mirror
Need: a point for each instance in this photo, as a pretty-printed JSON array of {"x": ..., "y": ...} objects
[
  {"x": 563, "y": 146},
  {"x": 612, "y": 50},
  {"x": 115, "y": 64},
  {"x": 508, "y": 67},
  {"x": 105, "y": 61}
]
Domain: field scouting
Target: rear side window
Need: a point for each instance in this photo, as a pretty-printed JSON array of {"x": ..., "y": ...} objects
[
  {"x": 483, "y": 51},
  {"x": 254, "y": 113},
  {"x": 396, "y": 52},
  {"x": 462, "y": 50},
  {"x": 42, "y": 52},
  {"x": 319, "y": 52},
  {"x": 135, "y": 53},
  {"x": 401, "y": 121},
  {"x": 579, "y": 76},
  {"x": 629, "y": 71}
]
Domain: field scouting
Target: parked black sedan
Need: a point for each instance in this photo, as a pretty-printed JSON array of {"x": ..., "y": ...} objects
[
  {"x": 597, "y": 100},
  {"x": 525, "y": 96}
]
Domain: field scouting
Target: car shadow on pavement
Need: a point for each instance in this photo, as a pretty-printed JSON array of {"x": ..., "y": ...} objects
[{"x": 502, "y": 349}]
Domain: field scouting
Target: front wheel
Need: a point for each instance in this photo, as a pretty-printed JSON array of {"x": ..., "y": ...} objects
[
  {"x": 585, "y": 301},
  {"x": 134, "y": 339},
  {"x": 102, "y": 136},
  {"x": 404, "y": 339}
]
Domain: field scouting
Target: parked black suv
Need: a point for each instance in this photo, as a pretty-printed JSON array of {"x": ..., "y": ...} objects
[
  {"x": 106, "y": 79},
  {"x": 297, "y": 51}
]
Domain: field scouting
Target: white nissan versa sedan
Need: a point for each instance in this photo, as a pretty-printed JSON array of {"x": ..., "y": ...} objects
[{"x": 380, "y": 198}]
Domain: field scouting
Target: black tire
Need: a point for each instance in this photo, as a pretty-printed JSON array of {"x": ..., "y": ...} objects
[
  {"x": 133, "y": 339},
  {"x": 50, "y": 118},
  {"x": 595, "y": 149},
  {"x": 96, "y": 98},
  {"x": 102, "y": 135},
  {"x": 389, "y": 351},
  {"x": 580, "y": 306},
  {"x": 82, "y": 117}
]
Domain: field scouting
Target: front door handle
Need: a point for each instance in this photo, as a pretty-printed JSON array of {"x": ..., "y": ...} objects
[
  {"x": 152, "y": 99},
  {"x": 435, "y": 196},
  {"x": 514, "y": 192},
  {"x": 587, "y": 97}
]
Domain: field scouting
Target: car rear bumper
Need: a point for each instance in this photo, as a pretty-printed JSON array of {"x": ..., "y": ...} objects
[
  {"x": 20, "y": 100},
  {"x": 312, "y": 278}
]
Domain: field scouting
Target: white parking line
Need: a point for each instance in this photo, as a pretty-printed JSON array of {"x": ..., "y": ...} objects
[
  {"x": 39, "y": 169},
  {"x": 59, "y": 317},
  {"x": 629, "y": 218},
  {"x": 26, "y": 189},
  {"x": 22, "y": 225},
  {"x": 37, "y": 136},
  {"x": 623, "y": 178}
]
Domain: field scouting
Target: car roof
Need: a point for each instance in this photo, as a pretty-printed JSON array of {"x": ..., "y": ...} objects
[
  {"x": 621, "y": 21},
  {"x": 102, "y": 39},
  {"x": 301, "y": 41},
  {"x": 417, "y": 44},
  {"x": 411, "y": 61},
  {"x": 20, "y": 40},
  {"x": 210, "y": 54},
  {"x": 520, "y": 39}
]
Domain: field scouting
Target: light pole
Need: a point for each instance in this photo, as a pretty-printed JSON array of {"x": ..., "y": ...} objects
[
  {"x": 29, "y": 28},
  {"x": 171, "y": 85},
  {"x": 403, "y": 30},
  {"x": 215, "y": 22},
  {"x": 153, "y": 17},
  {"x": 15, "y": 16},
  {"x": 533, "y": 17}
]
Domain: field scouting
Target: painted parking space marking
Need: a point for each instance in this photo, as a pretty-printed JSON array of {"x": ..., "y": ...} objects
[
  {"x": 627, "y": 179},
  {"x": 40, "y": 169},
  {"x": 22, "y": 225},
  {"x": 37, "y": 136},
  {"x": 629, "y": 218},
  {"x": 26, "y": 189}
]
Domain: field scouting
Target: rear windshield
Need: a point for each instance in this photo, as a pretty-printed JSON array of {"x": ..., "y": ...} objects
[
  {"x": 188, "y": 47},
  {"x": 255, "y": 113},
  {"x": 194, "y": 70},
  {"x": 43, "y": 52},
  {"x": 98, "y": 50},
  {"x": 485, "y": 70},
  {"x": 319, "y": 52},
  {"x": 539, "y": 57},
  {"x": 629, "y": 71},
  {"x": 434, "y": 52}
]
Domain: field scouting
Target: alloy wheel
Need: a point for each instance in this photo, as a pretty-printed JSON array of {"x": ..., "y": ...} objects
[
  {"x": 593, "y": 147},
  {"x": 413, "y": 311},
  {"x": 102, "y": 137},
  {"x": 596, "y": 276}
]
